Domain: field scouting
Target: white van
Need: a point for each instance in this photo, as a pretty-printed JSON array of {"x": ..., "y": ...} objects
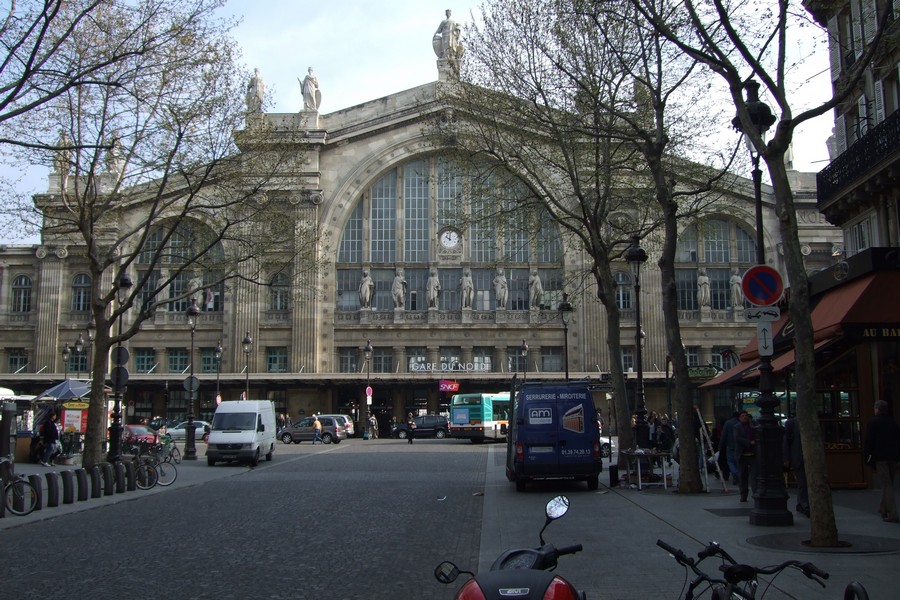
[{"x": 242, "y": 430}]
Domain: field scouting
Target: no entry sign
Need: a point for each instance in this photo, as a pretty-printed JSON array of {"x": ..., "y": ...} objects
[{"x": 762, "y": 285}]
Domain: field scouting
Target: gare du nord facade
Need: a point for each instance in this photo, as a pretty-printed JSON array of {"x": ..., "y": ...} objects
[{"x": 386, "y": 197}]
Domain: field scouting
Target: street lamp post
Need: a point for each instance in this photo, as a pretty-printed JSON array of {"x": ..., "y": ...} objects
[
  {"x": 770, "y": 497},
  {"x": 79, "y": 348},
  {"x": 247, "y": 344},
  {"x": 218, "y": 353},
  {"x": 564, "y": 309},
  {"x": 91, "y": 331},
  {"x": 364, "y": 412},
  {"x": 524, "y": 350},
  {"x": 119, "y": 376},
  {"x": 637, "y": 256},
  {"x": 191, "y": 385},
  {"x": 66, "y": 353}
]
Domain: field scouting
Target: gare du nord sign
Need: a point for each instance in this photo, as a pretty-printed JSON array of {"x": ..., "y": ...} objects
[{"x": 451, "y": 366}]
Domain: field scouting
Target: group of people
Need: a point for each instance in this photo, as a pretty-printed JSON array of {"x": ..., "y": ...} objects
[{"x": 735, "y": 440}]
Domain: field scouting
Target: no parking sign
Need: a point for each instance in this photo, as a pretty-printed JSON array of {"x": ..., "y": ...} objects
[{"x": 762, "y": 285}]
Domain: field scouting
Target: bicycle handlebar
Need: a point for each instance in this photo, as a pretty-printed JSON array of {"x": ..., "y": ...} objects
[{"x": 680, "y": 556}]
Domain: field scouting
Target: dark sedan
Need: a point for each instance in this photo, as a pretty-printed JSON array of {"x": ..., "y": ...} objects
[{"x": 427, "y": 426}]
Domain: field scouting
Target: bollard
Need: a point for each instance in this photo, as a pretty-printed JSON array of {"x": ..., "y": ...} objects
[
  {"x": 81, "y": 477},
  {"x": 613, "y": 476},
  {"x": 106, "y": 471},
  {"x": 94, "y": 476},
  {"x": 129, "y": 476},
  {"x": 120, "y": 477},
  {"x": 35, "y": 481},
  {"x": 68, "y": 486},
  {"x": 52, "y": 489}
]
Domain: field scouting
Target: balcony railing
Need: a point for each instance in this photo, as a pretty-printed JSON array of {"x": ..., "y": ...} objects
[{"x": 874, "y": 147}]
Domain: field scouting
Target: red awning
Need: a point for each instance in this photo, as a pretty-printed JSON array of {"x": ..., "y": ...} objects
[
  {"x": 737, "y": 373},
  {"x": 867, "y": 300}
]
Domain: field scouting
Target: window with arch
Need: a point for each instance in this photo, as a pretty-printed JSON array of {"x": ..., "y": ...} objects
[
  {"x": 21, "y": 294},
  {"x": 280, "y": 293},
  {"x": 718, "y": 246},
  {"x": 397, "y": 221},
  {"x": 163, "y": 257},
  {"x": 81, "y": 293}
]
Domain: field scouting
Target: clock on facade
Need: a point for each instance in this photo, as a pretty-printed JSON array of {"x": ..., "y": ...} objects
[{"x": 449, "y": 238}]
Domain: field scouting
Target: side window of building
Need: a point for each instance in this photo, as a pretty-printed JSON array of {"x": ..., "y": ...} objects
[
  {"x": 21, "y": 294},
  {"x": 81, "y": 293}
]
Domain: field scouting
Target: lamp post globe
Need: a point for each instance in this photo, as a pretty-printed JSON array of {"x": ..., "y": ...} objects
[
  {"x": 247, "y": 345},
  {"x": 218, "y": 355},
  {"x": 524, "y": 351},
  {"x": 770, "y": 497},
  {"x": 564, "y": 308},
  {"x": 66, "y": 353},
  {"x": 636, "y": 257},
  {"x": 191, "y": 385},
  {"x": 91, "y": 333},
  {"x": 364, "y": 410}
]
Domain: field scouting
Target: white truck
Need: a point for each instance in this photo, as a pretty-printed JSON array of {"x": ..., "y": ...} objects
[{"x": 242, "y": 430}]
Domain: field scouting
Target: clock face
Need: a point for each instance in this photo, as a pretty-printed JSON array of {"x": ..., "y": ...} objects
[{"x": 449, "y": 238}]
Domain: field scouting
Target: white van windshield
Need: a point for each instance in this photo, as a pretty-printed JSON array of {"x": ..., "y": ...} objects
[{"x": 238, "y": 421}]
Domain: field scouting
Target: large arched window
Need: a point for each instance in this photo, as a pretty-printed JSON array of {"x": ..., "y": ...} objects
[
  {"x": 719, "y": 247},
  {"x": 166, "y": 252},
  {"x": 428, "y": 211},
  {"x": 21, "y": 294},
  {"x": 81, "y": 293}
]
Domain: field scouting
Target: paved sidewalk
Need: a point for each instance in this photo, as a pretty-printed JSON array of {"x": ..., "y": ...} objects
[
  {"x": 618, "y": 528},
  {"x": 190, "y": 473}
]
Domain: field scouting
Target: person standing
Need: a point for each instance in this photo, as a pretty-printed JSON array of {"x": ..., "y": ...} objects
[
  {"x": 727, "y": 461},
  {"x": 882, "y": 451},
  {"x": 410, "y": 428},
  {"x": 373, "y": 426},
  {"x": 792, "y": 451},
  {"x": 50, "y": 434},
  {"x": 745, "y": 452},
  {"x": 317, "y": 430}
]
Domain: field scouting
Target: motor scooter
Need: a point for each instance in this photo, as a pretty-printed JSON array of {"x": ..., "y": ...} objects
[{"x": 520, "y": 573}]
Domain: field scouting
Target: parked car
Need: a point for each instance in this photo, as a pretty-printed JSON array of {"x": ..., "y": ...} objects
[
  {"x": 134, "y": 433},
  {"x": 179, "y": 431},
  {"x": 302, "y": 431},
  {"x": 344, "y": 420},
  {"x": 435, "y": 426}
]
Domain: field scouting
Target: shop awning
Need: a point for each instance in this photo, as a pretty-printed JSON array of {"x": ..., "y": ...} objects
[
  {"x": 737, "y": 373},
  {"x": 863, "y": 308}
]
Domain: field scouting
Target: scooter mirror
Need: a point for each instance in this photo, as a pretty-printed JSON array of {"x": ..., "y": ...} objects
[
  {"x": 557, "y": 507},
  {"x": 446, "y": 572}
]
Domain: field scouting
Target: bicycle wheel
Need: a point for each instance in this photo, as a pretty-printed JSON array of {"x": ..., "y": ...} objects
[
  {"x": 167, "y": 473},
  {"x": 175, "y": 455},
  {"x": 20, "y": 497},
  {"x": 145, "y": 475}
]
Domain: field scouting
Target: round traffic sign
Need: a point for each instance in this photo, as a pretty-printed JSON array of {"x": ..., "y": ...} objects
[
  {"x": 191, "y": 384},
  {"x": 118, "y": 376},
  {"x": 120, "y": 355},
  {"x": 368, "y": 390},
  {"x": 762, "y": 285}
]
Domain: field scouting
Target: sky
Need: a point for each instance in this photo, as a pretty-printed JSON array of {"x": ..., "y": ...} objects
[{"x": 362, "y": 50}]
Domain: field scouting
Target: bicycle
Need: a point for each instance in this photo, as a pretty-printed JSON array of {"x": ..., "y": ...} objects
[
  {"x": 740, "y": 581},
  {"x": 169, "y": 450},
  {"x": 144, "y": 453},
  {"x": 19, "y": 496}
]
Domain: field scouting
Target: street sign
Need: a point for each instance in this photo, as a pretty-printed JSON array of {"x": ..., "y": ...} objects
[
  {"x": 120, "y": 355},
  {"x": 762, "y": 285},
  {"x": 764, "y": 338},
  {"x": 368, "y": 390},
  {"x": 118, "y": 376},
  {"x": 191, "y": 384},
  {"x": 762, "y": 313}
]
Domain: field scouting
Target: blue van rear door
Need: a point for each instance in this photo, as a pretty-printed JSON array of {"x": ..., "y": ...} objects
[
  {"x": 575, "y": 426},
  {"x": 542, "y": 427}
]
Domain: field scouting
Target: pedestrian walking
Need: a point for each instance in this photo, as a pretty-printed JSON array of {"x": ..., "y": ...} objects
[
  {"x": 792, "y": 450},
  {"x": 410, "y": 428},
  {"x": 882, "y": 451},
  {"x": 727, "y": 462},
  {"x": 50, "y": 435},
  {"x": 373, "y": 425},
  {"x": 317, "y": 430},
  {"x": 745, "y": 453}
]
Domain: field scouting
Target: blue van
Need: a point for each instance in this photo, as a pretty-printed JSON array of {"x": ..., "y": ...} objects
[{"x": 554, "y": 435}]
